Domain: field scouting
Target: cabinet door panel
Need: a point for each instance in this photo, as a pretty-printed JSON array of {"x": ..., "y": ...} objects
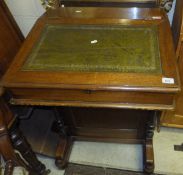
[
  {"x": 10, "y": 38},
  {"x": 175, "y": 118}
]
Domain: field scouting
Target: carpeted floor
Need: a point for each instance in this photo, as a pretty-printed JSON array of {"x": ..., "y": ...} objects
[{"x": 76, "y": 169}]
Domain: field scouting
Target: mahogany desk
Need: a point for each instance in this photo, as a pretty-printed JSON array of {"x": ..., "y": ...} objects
[{"x": 108, "y": 71}]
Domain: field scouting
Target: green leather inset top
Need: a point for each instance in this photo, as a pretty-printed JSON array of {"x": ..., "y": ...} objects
[{"x": 96, "y": 48}]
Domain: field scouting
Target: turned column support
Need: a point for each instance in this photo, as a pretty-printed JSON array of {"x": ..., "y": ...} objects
[
  {"x": 6, "y": 149},
  {"x": 11, "y": 139},
  {"x": 24, "y": 149},
  {"x": 65, "y": 144},
  {"x": 148, "y": 146}
]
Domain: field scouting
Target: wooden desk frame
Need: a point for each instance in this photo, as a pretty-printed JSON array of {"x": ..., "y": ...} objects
[{"x": 86, "y": 90}]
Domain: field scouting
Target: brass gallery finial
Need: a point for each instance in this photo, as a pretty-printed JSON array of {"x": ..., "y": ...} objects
[
  {"x": 166, "y": 5},
  {"x": 50, "y": 4}
]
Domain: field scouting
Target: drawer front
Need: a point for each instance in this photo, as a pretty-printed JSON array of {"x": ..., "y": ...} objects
[{"x": 90, "y": 96}]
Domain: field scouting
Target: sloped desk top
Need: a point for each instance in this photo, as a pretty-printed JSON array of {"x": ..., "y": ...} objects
[
  {"x": 81, "y": 55},
  {"x": 96, "y": 48}
]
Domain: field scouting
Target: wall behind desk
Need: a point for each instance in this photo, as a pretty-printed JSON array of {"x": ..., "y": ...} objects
[{"x": 26, "y": 13}]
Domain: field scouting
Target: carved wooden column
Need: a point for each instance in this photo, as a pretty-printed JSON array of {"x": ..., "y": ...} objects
[
  {"x": 20, "y": 143},
  {"x": 12, "y": 139},
  {"x": 6, "y": 149},
  {"x": 148, "y": 146},
  {"x": 65, "y": 144}
]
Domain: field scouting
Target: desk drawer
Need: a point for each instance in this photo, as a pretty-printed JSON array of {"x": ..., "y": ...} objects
[{"x": 99, "y": 96}]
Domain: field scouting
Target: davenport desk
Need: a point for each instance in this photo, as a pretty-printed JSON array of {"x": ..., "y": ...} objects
[{"x": 106, "y": 71}]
